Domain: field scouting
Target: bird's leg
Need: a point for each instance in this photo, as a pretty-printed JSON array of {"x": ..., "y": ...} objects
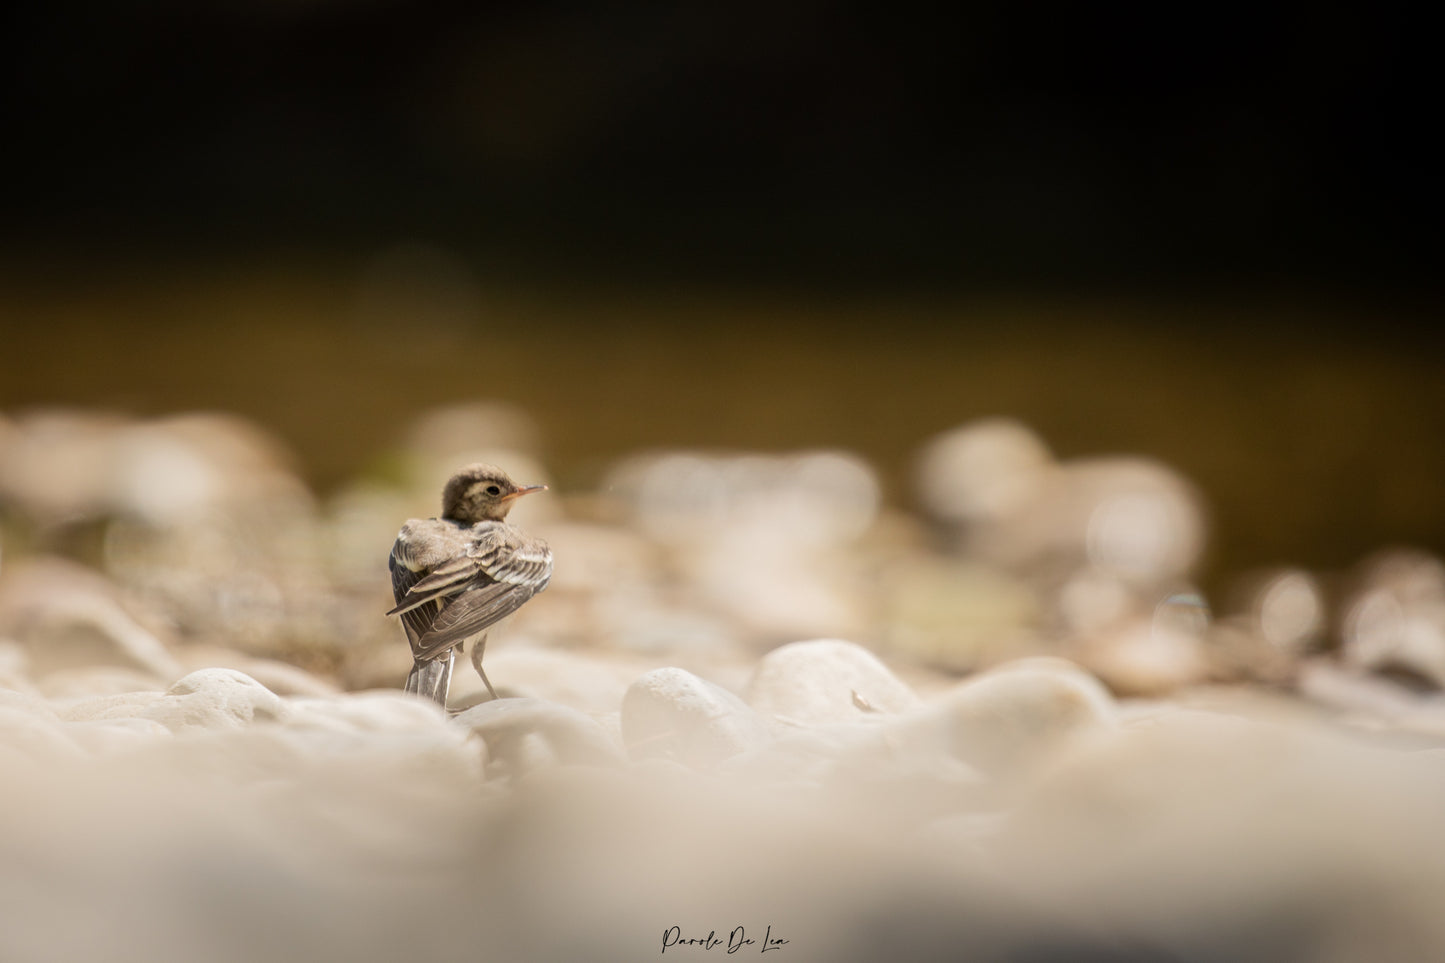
[
  {"x": 478, "y": 647},
  {"x": 432, "y": 679},
  {"x": 487, "y": 682}
]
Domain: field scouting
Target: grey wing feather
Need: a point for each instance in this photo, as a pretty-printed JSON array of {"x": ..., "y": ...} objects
[
  {"x": 518, "y": 563},
  {"x": 462, "y": 596},
  {"x": 416, "y": 620},
  {"x": 449, "y": 578},
  {"x": 472, "y": 613}
]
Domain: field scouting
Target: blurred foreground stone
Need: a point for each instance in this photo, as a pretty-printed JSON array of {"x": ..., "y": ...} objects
[{"x": 1018, "y": 815}]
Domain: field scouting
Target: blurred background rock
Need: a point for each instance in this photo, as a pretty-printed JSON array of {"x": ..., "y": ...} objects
[
  {"x": 754, "y": 228},
  {"x": 1008, "y": 338}
]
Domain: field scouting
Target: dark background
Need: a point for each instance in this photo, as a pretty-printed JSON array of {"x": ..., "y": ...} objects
[
  {"x": 1208, "y": 233},
  {"x": 990, "y": 143}
]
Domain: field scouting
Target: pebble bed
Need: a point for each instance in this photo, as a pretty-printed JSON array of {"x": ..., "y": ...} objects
[{"x": 757, "y": 711}]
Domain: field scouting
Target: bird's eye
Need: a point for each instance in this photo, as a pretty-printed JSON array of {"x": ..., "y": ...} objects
[{"x": 493, "y": 490}]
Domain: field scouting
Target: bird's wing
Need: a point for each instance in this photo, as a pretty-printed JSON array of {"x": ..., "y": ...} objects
[
  {"x": 450, "y": 577},
  {"x": 507, "y": 555},
  {"x": 416, "y": 620},
  {"x": 423, "y": 548},
  {"x": 510, "y": 568}
]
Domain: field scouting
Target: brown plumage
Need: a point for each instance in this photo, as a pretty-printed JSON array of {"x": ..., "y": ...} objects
[{"x": 456, "y": 576}]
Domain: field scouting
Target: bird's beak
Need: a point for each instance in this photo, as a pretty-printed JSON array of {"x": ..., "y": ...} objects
[{"x": 524, "y": 490}]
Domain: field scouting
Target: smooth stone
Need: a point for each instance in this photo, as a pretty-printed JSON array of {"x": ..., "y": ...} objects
[
  {"x": 1000, "y": 492},
  {"x": 15, "y": 668},
  {"x": 215, "y": 698},
  {"x": 1393, "y": 623},
  {"x": 1329, "y": 684},
  {"x": 826, "y": 681},
  {"x": 1368, "y": 701},
  {"x": 184, "y": 467},
  {"x": 124, "y": 705},
  {"x": 24, "y": 700},
  {"x": 805, "y": 756},
  {"x": 34, "y": 734},
  {"x": 909, "y": 780},
  {"x": 1402, "y": 640},
  {"x": 671, "y": 713},
  {"x": 864, "y": 769},
  {"x": 981, "y": 470},
  {"x": 970, "y": 832},
  {"x": 1239, "y": 651},
  {"x": 74, "y": 630},
  {"x": 396, "y": 731},
  {"x": 523, "y": 735},
  {"x": 57, "y": 463},
  {"x": 447, "y": 433},
  {"x": 1140, "y": 660},
  {"x": 104, "y": 737},
  {"x": 386, "y": 710},
  {"x": 1009, "y": 717}
]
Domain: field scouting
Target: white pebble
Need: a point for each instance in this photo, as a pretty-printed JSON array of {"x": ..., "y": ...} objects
[
  {"x": 215, "y": 698},
  {"x": 826, "y": 681},
  {"x": 671, "y": 713},
  {"x": 1011, "y": 717},
  {"x": 527, "y": 734},
  {"x": 105, "y": 737},
  {"x": 379, "y": 711}
]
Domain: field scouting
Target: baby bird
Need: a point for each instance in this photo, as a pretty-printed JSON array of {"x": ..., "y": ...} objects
[{"x": 456, "y": 576}]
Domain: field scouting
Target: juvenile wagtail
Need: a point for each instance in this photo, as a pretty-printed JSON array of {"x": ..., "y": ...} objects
[{"x": 456, "y": 576}]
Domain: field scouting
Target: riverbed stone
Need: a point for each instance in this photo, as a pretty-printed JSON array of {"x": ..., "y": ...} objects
[
  {"x": 215, "y": 699},
  {"x": 106, "y": 737},
  {"x": 122, "y": 705},
  {"x": 671, "y": 713},
  {"x": 1012, "y": 716},
  {"x": 62, "y": 628},
  {"x": 826, "y": 681},
  {"x": 523, "y": 734},
  {"x": 385, "y": 710}
]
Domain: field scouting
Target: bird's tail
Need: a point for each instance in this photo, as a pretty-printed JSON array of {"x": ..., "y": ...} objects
[{"x": 431, "y": 679}]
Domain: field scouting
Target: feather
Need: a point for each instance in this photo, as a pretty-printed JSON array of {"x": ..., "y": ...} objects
[
  {"x": 472, "y": 613},
  {"x": 451, "y": 582}
]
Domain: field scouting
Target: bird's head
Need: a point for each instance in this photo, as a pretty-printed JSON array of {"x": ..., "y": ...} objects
[{"x": 482, "y": 493}]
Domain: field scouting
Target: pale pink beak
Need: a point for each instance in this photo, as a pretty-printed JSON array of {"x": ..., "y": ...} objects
[{"x": 525, "y": 490}]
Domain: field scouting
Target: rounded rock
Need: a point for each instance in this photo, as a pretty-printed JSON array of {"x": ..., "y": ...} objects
[
  {"x": 826, "y": 681},
  {"x": 106, "y": 737},
  {"x": 34, "y": 734},
  {"x": 215, "y": 699},
  {"x": 671, "y": 713},
  {"x": 522, "y": 735},
  {"x": 1144, "y": 659},
  {"x": 14, "y": 668},
  {"x": 379, "y": 711},
  {"x": 982, "y": 470},
  {"x": 66, "y": 627},
  {"x": 124, "y": 705},
  {"x": 1011, "y": 717}
]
